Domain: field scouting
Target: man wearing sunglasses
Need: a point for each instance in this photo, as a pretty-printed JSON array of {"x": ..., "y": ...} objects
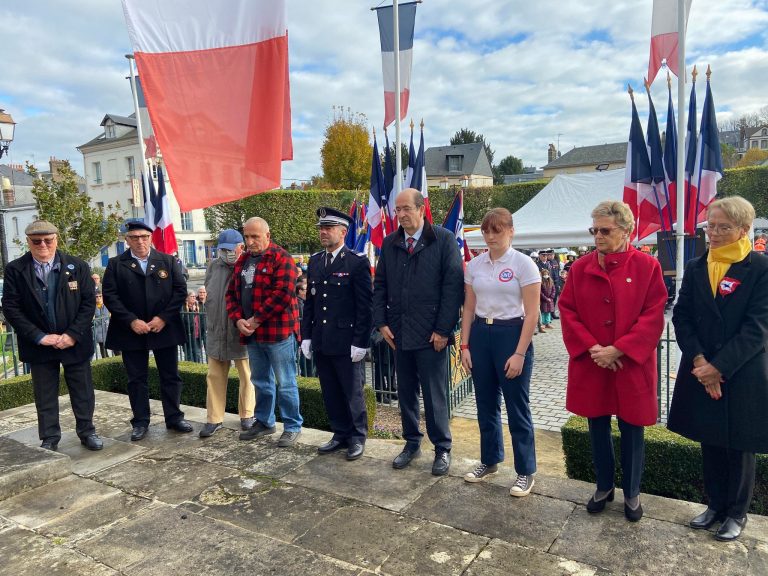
[
  {"x": 144, "y": 290},
  {"x": 49, "y": 298}
]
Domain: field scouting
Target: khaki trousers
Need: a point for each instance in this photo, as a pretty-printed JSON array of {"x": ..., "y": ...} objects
[{"x": 218, "y": 374}]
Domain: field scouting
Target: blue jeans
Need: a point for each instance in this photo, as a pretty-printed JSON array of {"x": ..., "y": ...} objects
[{"x": 273, "y": 373}]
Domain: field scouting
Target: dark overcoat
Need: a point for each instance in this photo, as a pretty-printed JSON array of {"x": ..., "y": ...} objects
[
  {"x": 731, "y": 331},
  {"x": 130, "y": 294},
  {"x": 75, "y": 304}
]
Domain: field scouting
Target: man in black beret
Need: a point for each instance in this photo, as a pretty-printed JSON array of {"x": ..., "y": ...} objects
[
  {"x": 335, "y": 330},
  {"x": 144, "y": 290}
]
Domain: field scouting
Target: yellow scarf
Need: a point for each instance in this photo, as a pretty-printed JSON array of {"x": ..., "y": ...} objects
[{"x": 720, "y": 259}]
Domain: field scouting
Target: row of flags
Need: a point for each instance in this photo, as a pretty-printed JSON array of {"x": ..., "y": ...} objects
[
  {"x": 157, "y": 213},
  {"x": 650, "y": 186}
]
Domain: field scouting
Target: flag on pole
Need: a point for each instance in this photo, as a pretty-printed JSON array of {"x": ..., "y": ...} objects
[
  {"x": 391, "y": 191},
  {"x": 406, "y": 22},
  {"x": 708, "y": 168},
  {"x": 637, "y": 172},
  {"x": 653, "y": 213},
  {"x": 690, "y": 160},
  {"x": 419, "y": 180},
  {"x": 163, "y": 236},
  {"x": 350, "y": 240},
  {"x": 377, "y": 200},
  {"x": 454, "y": 221},
  {"x": 216, "y": 86},
  {"x": 363, "y": 230},
  {"x": 664, "y": 36},
  {"x": 408, "y": 180},
  {"x": 670, "y": 157},
  {"x": 150, "y": 199}
]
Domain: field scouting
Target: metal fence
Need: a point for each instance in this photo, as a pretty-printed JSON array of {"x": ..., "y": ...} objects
[{"x": 666, "y": 370}]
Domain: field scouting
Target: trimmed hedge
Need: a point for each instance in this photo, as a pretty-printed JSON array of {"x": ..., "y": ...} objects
[
  {"x": 109, "y": 375},
  {"x": 750, "y": 182},
  {"x": 672, "y": 463}
]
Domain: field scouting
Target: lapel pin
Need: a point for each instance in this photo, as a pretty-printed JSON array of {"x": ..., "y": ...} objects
[
  {"x": 133, "y": 265},
  {"x": 629, "y": 279}
]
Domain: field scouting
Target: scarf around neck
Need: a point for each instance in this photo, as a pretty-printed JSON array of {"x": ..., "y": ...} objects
[{"x": 719, "y": 260}]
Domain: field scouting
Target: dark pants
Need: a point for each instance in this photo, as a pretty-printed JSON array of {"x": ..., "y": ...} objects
[
  {"x": 632, "y": 454},
  {"x": 490, "y": 347},
  {"x": 45, "y": 382},
  {"x": 136, "y": 365},
  {"x": 428, "y": 370},
  {"x": 342, "y": 386},
  {"x": 729, "y": 479}
]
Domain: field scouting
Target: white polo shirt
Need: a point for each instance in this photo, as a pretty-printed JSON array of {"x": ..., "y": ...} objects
[{"x": 498, "y": 285}]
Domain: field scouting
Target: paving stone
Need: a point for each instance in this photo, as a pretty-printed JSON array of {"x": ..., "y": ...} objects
[
  {"x": 263, "y": 457},
  {"x": 12, "y": 422},
  {"x": 367, "y": 479},
  {"x": 110, "y": 420},
  {"x": 86, "y": 462},
  {"x": 24, "y": 468},
  {"x": 498, "y": 558},
  {"x": 392, "y": 543},
  {"x": 485, "y": 509},
  {"x": 161, "y": 439}
]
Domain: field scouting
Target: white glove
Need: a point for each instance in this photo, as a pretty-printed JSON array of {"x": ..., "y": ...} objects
[
  {"x": 306, "y": 349},
  {"x": 357, "y": 354}
]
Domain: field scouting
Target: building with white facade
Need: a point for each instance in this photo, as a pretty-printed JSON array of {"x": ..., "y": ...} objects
[
  {"x": 112, "y": 168},
  {"x": 17, "y": 210}
]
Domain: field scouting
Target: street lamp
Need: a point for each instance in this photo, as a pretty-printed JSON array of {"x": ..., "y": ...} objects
[
  {"x": 7, "y": 127},
  {"x": 465, "y": 181},
  {"x": 444, "y": 183}
]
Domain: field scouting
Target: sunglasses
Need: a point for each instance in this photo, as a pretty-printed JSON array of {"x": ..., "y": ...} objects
[
  {"x": 38, "y": 241},
  {"x": 602, "y": 231}
]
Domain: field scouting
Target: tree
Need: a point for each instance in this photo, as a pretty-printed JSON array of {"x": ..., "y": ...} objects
[
  {"x": 752, "y": 156},
  {"x": 346, "y": 151},
  {"x": 730, "y": 157},
  {"x": 83, "y": 228},
  {"x": 467, "y": 136},
  {"x": 403, "y": 154}
]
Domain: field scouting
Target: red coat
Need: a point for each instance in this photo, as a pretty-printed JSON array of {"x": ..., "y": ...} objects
[{"x": 621, "y": 306}]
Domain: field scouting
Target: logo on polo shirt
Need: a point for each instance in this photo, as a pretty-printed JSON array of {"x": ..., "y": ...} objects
[{"x": 506, "y": 275}]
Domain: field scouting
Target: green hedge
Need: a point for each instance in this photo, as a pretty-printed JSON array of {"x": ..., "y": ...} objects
[
  {"x": 109, "y": 375},
  {"x": 751, "y": 183},
  {"x": 672, "y": 463}
]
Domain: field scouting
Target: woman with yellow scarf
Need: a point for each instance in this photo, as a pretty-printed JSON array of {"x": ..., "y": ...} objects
[{"x": 721, "y": 394}]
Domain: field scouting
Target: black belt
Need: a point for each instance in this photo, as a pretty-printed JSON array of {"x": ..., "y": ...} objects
[{"x": 500, "y": 322}]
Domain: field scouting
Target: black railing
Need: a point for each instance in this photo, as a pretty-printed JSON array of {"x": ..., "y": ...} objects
[{"x": 666, "y": 370}]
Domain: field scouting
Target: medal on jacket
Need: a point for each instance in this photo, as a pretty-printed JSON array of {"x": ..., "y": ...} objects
[
  {"x": 163, "y": 274},
  {"x": 72, "y": 285},
  {"x": 728, "y": 286}
]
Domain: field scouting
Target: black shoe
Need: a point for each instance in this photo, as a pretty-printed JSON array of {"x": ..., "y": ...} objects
[
  {"x": 257, "y": 430},
  {"x": 92, "y": 442},
  {"x": 405, "y": 457},
  {"x": 355, "y": 450},
  {"x": 181, "y": 426},
  {"x": 595, "y": 506},
  {"x": 730, "y": 529},
  {"x": 50, "y": 444},
  {"x": 633, "y": 515},
  {"x": 706, "y": 519},
  {"x": 138, "y": 433},
  {"x": 442, "y": 463},
  {"x": 332, "y": 445},
  {"x": 209, "y": 429}
]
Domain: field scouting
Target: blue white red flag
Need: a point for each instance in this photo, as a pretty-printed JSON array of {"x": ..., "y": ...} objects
[
  {"x": 670, "y": 158},
  {"x": 454, "y": 221},
  {"x": 150, "y": 199},
  {"x": 653, "y": 211},
  {"x": 637, "y": 171},
  {"x": 377, "y": 200},
  {"x": 691, "y": 210},
  {"x": 363, "y": 230},
  {"x": 708, "y": 168},
  {"x": 350, "y": 240},
  {"x": 419, "y": 181},
  {"x": 163, "y": 236},
  {"x": 406, "y": 24},
  {"x": 391, "y": 191},
  {"x": 408, "y": 180},
  {"x": 665, "y": 37}
]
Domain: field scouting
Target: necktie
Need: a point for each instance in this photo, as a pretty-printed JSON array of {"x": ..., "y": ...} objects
[
  {"x": 410, "y": 243},
  {"x": 328, "y": 259}
]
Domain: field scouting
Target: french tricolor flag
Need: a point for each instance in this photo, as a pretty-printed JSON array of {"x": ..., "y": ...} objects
[
  {"x": 637, "y": 174},
  {"x": 163, "y": 236},
  {"x": 215, "y": 78},
  {"x": 406, "y": 22},
  {"x": 665, "y": 37},
  {"x": 708, "y": 168}
]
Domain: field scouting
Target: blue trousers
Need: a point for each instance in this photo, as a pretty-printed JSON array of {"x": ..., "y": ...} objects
[
  {"x": 490, "y": 347},
  {"x": 632, "y": 454}
]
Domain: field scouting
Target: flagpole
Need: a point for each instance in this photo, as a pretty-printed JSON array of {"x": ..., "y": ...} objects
[
  {"x": 398, "y": 159},
  {"x": 682, "y": 32},
  {"x": 138, "y": 116}
]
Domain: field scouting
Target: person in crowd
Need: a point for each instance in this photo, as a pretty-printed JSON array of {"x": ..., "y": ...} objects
[
  {"x": 570, "y": 258},
  {"x": 100, "y": 323},
  {"x": 202, "y": 298},
  {"x": 302, "y": 265},
  {"x": 760, "y": 242},
  {"x": 612, "y": 318},
  {"x": 501, "y": 301},
  {"x": 144, "y": 291},
  {"x": 96, "y": 281},
  {"x": 301, "y": 294},
  {"x": 417, "y": 295},
  {"x": 190, "y": 317},
  {"x": 261, "y": 301},
  {"x": 554, "y": 272},
  {"x": 223, "y": 345},
  {"x": 582, "y": 251},
  {"x": 721, "y": 394},
  {"x": 49, "y": 300},
  {"x": 335, "y": 331},
  {"x": 542, "y": 261},
  {"x": 547, "y": 299}
]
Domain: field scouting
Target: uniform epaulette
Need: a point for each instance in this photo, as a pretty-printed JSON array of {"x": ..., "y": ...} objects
[{"x": 316, "y": 253}]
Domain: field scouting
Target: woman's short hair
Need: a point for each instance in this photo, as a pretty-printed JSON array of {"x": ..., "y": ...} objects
[
  {"x": 737, "y": 209},
  {"x": 496, "y": 220},
  {"x": 620, "y": 211}
]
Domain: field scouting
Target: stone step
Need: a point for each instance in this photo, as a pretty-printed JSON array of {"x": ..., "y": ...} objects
[{"x": 24, "y": 468}]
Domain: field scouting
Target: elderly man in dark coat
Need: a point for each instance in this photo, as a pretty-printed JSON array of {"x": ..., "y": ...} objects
[
  {"x": 49, "y": 299},
  {"x": 418, "y": 290},
  {"x": 144, "y": 289}
]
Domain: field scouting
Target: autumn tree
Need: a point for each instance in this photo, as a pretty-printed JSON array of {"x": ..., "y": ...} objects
[
  {"x": 84, "y": 229},
  {"x": 752, "y": 156},
  {"x": 346, "y": 151}
]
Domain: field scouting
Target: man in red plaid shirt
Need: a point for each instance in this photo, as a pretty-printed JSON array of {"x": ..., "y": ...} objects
[{"x": 261, "y": 300}]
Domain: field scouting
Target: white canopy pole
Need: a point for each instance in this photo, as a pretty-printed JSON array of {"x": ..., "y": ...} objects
[
  {"x": 681, "y": 155},
  {"x": 398, "y": 159}
]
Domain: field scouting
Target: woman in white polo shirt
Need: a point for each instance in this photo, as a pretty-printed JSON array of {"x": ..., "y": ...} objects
[{"x": 501, "y": 302}]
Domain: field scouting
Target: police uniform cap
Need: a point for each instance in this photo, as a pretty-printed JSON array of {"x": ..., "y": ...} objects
[
  {"x": 136, "y": 225},
  {"x": 332, "y": 217},
  {"x": 39, "y": 227}
]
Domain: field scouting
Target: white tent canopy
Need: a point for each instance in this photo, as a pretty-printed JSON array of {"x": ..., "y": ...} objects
[{"x": 559, "y": 215}]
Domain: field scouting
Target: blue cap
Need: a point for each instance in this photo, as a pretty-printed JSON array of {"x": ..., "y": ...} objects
[{"x": 229, "y": 239}]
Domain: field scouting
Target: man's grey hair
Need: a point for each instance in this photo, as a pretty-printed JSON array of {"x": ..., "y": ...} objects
[{"x": 258, "y": 221}]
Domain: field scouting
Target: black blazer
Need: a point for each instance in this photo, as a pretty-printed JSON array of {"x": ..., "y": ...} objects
[
  {"x": 130, "y": 294},
  {"x": 731, "y": 330},
  {"x": 75, "y": 303}
]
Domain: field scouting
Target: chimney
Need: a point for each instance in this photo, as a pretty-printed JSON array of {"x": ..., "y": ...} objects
[
  {"x": 9, "y": 196},
  {"x": 56, "y": 166},
  {"x": 551, "y": 153}
]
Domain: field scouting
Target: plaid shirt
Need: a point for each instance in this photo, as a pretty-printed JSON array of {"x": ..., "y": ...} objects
[{"x": 274, "y": 296}]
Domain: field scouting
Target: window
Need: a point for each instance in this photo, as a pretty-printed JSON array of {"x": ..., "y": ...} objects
[
  {"x": 100, "y": 206},
  {"x": 764, "y": 132},
  {"x": 186, "y": 220},
  {"x": 189, "y": 252},
  {"x": 764, "y": 144},
  {"x": 112, "y": 171},
  {"x": 753, "y": 144},
  {"x": 454, "y": 163},
  {"x": 96, "y": 167},
  {"x": 130, "y": 167},
  {"x": 109, "y": 130}
]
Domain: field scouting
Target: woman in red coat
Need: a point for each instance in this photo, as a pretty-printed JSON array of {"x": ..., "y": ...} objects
[{"x": 612, "y": 310}]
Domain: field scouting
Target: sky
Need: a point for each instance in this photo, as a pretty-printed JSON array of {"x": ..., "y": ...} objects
[{"x": 524, "y": 74}]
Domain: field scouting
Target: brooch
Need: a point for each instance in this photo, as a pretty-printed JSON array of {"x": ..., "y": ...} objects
[{"x": 728, "y": 286}]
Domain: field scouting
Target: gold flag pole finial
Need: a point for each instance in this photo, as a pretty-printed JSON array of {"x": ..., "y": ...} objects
[
  {"x": 411, "y": 124},
  {"x": 709, "y": 72},
  {"x": 374, "y": 132},
  {"x": 647, "y": 86},
  {"x": 422, "y": 124},
  {"x": 631, "y": 92},
  {"x": 694, "y": 73},
  {"x": 669, "y": 80}
]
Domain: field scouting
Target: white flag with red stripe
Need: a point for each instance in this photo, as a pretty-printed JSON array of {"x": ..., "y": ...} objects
[
  {"x": 665, "y": 36},
  {"x": 406, "y": 22}
]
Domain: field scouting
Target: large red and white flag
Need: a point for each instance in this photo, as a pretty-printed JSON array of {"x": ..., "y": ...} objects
[
  {"x": 406, "y": 22},
  {"x": 215, "y": 79},
  {"x": 665, "y": 37}
]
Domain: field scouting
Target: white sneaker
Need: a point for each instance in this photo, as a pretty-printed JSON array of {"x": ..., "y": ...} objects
[
  {"x": 481, "y": 473},
  {"x": 522, "y": 486}
]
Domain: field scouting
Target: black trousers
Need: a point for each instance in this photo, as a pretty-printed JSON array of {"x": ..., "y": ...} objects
[
  {"x": 136, "y": 364},
  {"x": 428, "y": 370},
  {"x": 45, "y": 383},
  {"x": 729, "y": 479},
  {"x": 632, "y": 454},
  {"x": 342, "y": 386}
]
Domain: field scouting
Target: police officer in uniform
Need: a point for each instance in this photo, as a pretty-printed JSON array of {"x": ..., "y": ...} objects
[
  {"x": 144, "y": 290},
  {"x": 335, "y": 330}
]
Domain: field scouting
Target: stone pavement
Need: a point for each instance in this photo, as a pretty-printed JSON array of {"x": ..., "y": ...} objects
[{"x": 176, "y": 504}]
